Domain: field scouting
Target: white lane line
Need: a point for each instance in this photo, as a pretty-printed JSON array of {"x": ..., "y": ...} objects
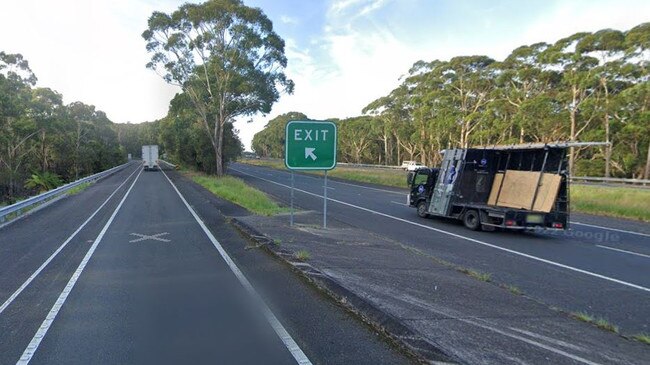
[
  {"x": 30, "y": 350},
  {"x": 548, "y": 339},
  {"x": 612, "y": 229},
  {"x": 624, "y": 251},
  {"x": 635, "y": 286},
  {"x": 65, "y": 243},
  {"x": 279, "y": 329},
  {"x": 398, "y": 203}
]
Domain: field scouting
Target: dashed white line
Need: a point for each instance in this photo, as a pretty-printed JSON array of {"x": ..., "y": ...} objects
[
  {"x": 31, "y": 348},
  {"x": 539, "y": 259},
  {"x": 624, "y": 251},
  {"x": 63, "y": 245},
  {"x": 612, "y": 229},
  {"x": 279, "y": 329}
]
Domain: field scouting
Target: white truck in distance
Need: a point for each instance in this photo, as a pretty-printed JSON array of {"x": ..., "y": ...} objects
[{"x": 150, "y": 157}]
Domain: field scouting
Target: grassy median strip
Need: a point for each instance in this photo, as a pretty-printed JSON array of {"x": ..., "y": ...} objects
[
  {"x": 236, "y": 191},
  {"x": 387, "y": 177},
  {"x": 624, "y": 202}
]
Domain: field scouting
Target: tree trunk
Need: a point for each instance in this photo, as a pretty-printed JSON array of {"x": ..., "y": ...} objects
[
  {"x": 572, "y": 115},
  {"x": 608, "y": 147},
  {"x": 218, "y": 149},
  {"x": 646, "y": 174}
]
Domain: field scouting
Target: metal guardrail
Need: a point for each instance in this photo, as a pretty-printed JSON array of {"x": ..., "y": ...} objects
[
  {"x": 17, "y": 207},
  {"x": 614, "y": 180},
  {"x": 369, "y": 166}
]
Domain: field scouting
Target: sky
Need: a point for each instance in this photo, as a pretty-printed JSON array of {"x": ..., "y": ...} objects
[{"x": 342, "y": 54}]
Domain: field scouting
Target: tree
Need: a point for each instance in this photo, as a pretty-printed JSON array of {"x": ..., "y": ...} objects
[{"x": 226, "y": 58}]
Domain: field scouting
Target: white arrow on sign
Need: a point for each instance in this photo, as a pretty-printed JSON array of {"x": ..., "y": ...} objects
[{"x": 309, "y": 152}]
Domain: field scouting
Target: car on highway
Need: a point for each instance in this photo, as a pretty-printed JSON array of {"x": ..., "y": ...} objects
[{"x": 412, "y": 165}]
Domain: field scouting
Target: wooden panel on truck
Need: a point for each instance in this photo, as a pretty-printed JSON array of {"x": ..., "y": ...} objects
[
  {"x": 492, "y": 200},
  {"x": 547, "y": 192},
  {"x": 519, "y": 187}
]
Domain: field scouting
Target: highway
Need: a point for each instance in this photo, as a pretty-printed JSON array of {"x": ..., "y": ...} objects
[
  {"x": 142, "y": 268},
  {"x": 601, "y": 266}
]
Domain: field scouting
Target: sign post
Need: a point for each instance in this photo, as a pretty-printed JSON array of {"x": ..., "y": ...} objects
[{"x": 310, "y": 145}]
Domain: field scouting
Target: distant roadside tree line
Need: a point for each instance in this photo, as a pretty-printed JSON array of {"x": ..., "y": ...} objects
[
  {"x": 586, "y": 87},
  {"x": 44, "y": 142}
]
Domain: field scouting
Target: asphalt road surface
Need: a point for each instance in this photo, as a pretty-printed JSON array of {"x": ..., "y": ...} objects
[
  {"x": 138, "y": 269},
  {"x": 601, "y": 266}
]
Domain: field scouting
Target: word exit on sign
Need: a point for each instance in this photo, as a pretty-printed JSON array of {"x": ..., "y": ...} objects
[{"x": 310, "y": 145}]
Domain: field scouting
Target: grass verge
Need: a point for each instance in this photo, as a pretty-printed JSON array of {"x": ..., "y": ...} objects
[
  {"x": 236, "y": 191},
  {"x": 598, "y": 322},
  {"x": 612, "y": 201},
  {"x": 78, "y": 189},
  {"x": 482, "y": 276}
]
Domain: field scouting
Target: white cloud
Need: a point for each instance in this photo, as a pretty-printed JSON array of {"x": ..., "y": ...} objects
[{"x": 288, "y": 20}]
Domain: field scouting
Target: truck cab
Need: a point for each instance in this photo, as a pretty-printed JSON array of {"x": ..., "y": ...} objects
[{"x": 421, "y": 183}]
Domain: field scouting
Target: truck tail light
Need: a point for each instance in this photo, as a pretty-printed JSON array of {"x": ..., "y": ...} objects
[
  {"x": 558, "y": 225},
  {"x": 511, "y": 222}
]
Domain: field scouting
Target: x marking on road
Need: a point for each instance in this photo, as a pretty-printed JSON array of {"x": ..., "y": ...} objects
[{"x": 155, "y": 237}]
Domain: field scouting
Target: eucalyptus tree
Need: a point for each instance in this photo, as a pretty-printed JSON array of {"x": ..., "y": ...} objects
[
  {"x": 16, "y": 80},
  {"x": 226, "y": 58}
]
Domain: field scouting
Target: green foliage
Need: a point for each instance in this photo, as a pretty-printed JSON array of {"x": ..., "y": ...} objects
[
  {"x": 236, "y": 191},
  {"x": 41, "y": 134},
  {"x": 43, "y": 181},
  {"x": 226, "y": 58},
  {"x": 585, "y": 87}
]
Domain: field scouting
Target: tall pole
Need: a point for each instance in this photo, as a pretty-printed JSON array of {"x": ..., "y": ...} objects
[
  {"x": 291, "y": 219},
  {"x": 325, "y": 202}
]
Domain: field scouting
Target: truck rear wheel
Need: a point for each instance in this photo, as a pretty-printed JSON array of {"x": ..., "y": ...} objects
[
  {"x": 472, "y": 220},
  {"x": 422, "y": 209}
]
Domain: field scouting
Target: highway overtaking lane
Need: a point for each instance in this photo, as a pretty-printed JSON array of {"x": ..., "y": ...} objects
[{"x": 567, "y": 270}]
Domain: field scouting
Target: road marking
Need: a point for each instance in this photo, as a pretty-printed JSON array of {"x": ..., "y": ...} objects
[
  {"x": 398, "y": 203},
  {"x": 612, "y": 229},
  {"x": 279, "y": 329},
  {"x": 30, "y": 350},
  {"x": 625, "y": 251},
  {"x": 549, "y": 262},
  {"x": 63, "y": 245},
  {"x": 155, "y": 237},
  {"x": 548, "y": 339}
]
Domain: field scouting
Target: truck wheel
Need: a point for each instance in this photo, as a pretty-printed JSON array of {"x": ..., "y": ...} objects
[
  {"x": 422, "y": 209},
  {"x": 471, "y": 220}
]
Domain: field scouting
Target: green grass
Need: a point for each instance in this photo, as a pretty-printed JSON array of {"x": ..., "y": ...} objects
[
  {"x": 387, "y": 177},
  {"x": 623, "y": 202},
  {"x": 598, "y": 322},
  {"x": 303, "y": 255},
  {"x": 514, "y": 290},
  {"x": 482, "y": 276},
  {"x": 78, "y": 189},
  {"x": 236, "y": 191},
  {"x": 645, "y": 338}
]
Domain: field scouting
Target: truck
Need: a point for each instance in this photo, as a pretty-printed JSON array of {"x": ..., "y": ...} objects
[
  {"x": 150, "y": 157},
  {"x": 515, "y": 187}
]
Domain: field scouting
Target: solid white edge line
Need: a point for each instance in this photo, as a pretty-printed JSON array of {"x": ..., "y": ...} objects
[
  {"x": 612, "y": 229},
  {"x": 63, "y": 245},
  {"x": 279, "y": 329},
  {"x": 549, "y": 262},
  {"x": 31, "y": 348},
  {"x": 624, "y": 251}
]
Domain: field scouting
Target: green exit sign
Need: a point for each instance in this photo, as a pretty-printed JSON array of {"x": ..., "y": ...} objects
[{"x": 310, "y": 145}]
